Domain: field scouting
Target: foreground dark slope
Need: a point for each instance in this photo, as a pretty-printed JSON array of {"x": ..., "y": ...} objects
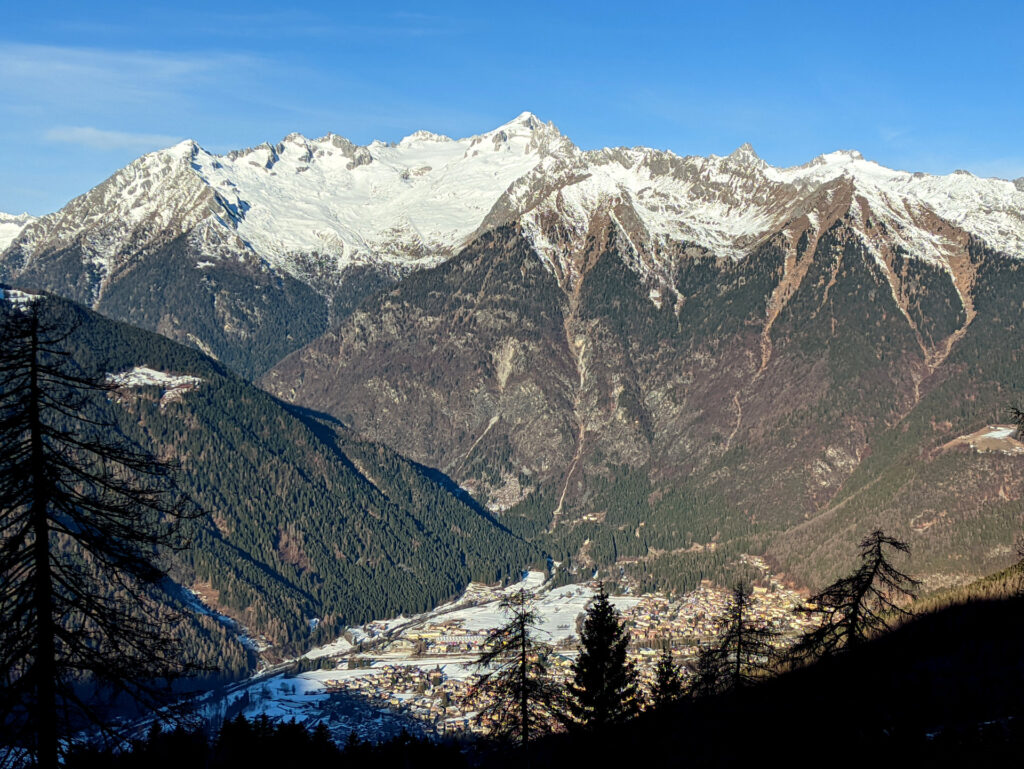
[
  {"x": 785, "y": 403},
  {"x": 304, "y": 520},
  {"x": 943, "y": 690}
]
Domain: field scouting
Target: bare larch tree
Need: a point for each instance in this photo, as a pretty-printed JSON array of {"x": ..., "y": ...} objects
[
  {"x": 84, "y": 517},
  {"x": 859, "y": 606}
]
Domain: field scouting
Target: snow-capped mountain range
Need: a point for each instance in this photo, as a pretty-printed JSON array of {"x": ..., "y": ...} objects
[{"x": 415, "y": 203}]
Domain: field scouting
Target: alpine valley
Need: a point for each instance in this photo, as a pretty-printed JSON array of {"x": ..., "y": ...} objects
[{"x": 421, "y": 363}]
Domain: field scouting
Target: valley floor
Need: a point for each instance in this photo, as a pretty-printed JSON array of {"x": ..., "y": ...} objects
[{"x": 416, "y": 672}]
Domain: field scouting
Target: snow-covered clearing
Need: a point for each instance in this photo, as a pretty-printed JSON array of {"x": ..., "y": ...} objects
[
  {"x": 991, "y": 438},
  {"x": 141, "y": 376}
]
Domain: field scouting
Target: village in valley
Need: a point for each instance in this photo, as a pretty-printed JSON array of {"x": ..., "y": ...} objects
[{"x": 421, "y": 670}]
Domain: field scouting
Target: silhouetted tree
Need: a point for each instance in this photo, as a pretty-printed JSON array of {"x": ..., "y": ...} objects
[
  {"x": 83, "y": 519},
  {"x": 668, "y": 682},
  {"x": 604, "y": 686},
  {"x": 745, "y": 648},
  {"x": 516, "y": 693},
  {"x": 856, "y": 607},
  {"x": 1018, "y": 419},
  {"x": 708, "y": 672}
]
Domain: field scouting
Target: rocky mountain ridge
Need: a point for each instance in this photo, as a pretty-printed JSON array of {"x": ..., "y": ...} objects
[
  {"x": 298, "y": 202},
  {"x": 344, "y": 220}
]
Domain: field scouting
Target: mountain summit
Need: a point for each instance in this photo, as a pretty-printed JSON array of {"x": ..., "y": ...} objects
[{"x": 11, "y": 226}]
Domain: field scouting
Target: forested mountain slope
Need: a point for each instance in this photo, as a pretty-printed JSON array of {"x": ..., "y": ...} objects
[{"x": 304, "y": 521}]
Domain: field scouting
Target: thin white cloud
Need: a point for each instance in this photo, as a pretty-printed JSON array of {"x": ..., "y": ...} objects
[
  {"x": 45, "y": 77},
  {"x": 97, "y": 138},
  {"x": 891, "y": 134}
]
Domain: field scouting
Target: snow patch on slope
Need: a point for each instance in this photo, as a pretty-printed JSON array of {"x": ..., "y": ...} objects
[
  {"x": 141, "y": 376},
  {"x": 173, "y": 386},
  {"x": 13, "y": 296}
]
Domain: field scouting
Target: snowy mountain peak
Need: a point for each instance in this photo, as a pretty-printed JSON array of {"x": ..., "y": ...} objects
[
  {"x": 423, "y": 136},
  {"x": 11, "y": 226},
  {"x": 185, "y": 148},
  {"x": 851, "y": 154},
  {"x": 839, "y": 159},
  {"x": 528, "y": 119},
  {"x": 526, "y": 134},
  {"x": 524, "y": 121},
  {"x": 745, "y": 154}
]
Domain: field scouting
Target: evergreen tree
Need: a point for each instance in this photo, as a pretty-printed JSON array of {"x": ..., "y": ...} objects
[
  {"x": 668, "y": 683},
  {"x": 854, "y": 608},
  {"x": 745, "y": 649},
  {"x": 708, "y": 672},
  {"x": 83, "y": 520},
  {"x": 516, "y": 694},
  {"x": 604, "y": 686}
]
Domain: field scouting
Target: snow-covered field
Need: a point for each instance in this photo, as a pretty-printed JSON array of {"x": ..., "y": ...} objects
[
  {"x": 557, "y": 608},
  {"x": 173, "y": 386},
  {"x": 478, "y": 610}
]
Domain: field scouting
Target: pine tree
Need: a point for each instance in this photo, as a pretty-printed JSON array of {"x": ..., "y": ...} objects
[
  {"x": 83, "y": 519},
  {"x": 668, "y": 683},
  {"x": 604, "y": 686},
  {"x": 515, "y": 693},
  {"x": 745, "y": 649},
  {"x": 854, "y": 608}
]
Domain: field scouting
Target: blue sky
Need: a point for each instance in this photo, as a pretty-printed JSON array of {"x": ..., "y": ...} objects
[{"x": 87, "y": 87}]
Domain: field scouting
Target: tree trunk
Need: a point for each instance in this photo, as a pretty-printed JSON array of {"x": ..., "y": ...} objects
[{"x": 44, "y": 667}]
